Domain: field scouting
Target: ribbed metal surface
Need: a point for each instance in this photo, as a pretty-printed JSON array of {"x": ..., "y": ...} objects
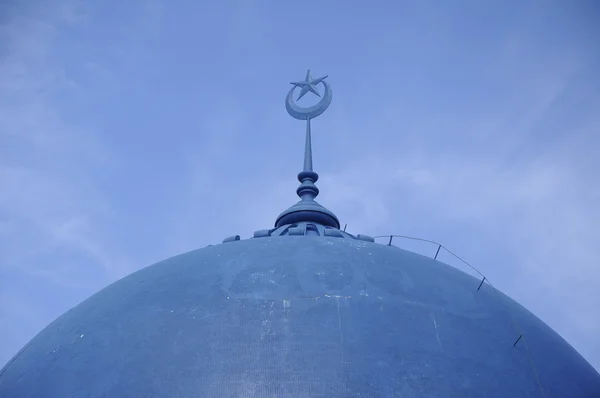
[{"x": 298, "y": 316}]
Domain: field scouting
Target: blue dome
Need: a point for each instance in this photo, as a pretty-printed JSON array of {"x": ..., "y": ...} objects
[{"x": 306, "y": 311}]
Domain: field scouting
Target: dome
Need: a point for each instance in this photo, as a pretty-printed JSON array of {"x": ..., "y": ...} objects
[
  {"x": 299, "y": 315},
  {"x": 300, "y": 310}
]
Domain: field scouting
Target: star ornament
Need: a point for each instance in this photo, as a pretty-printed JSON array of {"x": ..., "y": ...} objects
[{"x": 309, "y": 84}]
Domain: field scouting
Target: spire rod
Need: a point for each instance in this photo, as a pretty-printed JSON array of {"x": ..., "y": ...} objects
[{"x": 308, "y": 165}]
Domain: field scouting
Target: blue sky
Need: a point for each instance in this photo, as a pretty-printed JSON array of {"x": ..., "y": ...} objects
[{"x": 135, "y": 131}]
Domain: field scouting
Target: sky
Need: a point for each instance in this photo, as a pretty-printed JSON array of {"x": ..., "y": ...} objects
[{"x": 131, "y": 133}]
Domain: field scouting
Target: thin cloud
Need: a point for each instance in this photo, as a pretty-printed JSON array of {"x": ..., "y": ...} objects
[{"x": 49, "y": 205}]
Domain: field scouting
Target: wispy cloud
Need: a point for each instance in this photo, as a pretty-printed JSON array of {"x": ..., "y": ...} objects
[{"x": 50, "y": 205}]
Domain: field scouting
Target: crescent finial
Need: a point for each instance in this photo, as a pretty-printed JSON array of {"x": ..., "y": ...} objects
[
  {"x": 308, "y": 209},
  {"x": 308, "y": 85}
]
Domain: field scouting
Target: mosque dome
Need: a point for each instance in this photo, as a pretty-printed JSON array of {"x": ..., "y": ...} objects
[{"x": 303, "y": 309}]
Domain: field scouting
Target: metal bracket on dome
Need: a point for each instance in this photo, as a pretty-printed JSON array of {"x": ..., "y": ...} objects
[
  {"x": 365, "y": 238},
  {"x": 520, "y": 337},
  {"x": 483, "y": 280},
  {"x": 263, "y": 233},
  {"x": 333, "y": 233},
  {"x": 298, "y": 231},
  {"x": 310, "y": 228},
  {"x": 231, "y": 239}
]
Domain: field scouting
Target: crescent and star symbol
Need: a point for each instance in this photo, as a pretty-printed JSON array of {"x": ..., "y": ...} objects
[{"x": 308, "y": 85}]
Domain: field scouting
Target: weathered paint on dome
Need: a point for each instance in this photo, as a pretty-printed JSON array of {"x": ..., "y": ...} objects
[{"x": 301, "y": 316}]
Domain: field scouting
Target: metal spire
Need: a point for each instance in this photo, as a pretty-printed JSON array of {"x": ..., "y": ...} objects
[{"x": 308, "y": 209}]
